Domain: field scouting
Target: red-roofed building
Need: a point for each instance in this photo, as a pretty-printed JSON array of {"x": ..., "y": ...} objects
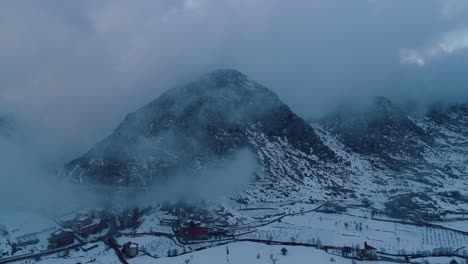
[
  {"x": 195, "y": 233},
  {"x": 369, "y": 252}
]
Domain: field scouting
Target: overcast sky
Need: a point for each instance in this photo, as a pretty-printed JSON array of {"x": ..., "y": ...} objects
[{"x": 72, "y": 69}]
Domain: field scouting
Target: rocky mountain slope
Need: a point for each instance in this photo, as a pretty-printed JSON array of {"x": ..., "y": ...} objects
[
  {"x": 375, "y": 152},
  {"x": 381, "y": 131},
  {"x": 191, "y": 127},
  {"x": 412, "y": 165}
]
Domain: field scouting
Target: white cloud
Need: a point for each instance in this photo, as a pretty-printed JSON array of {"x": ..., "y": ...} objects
[
  {"x": 449, "y": 43},
  {"x": 412, "y": 56},
  {"x": 454, "y": 41}
]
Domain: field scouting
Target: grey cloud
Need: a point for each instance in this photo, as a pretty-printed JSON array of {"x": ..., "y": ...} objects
[{"x": 72, "y": 70}]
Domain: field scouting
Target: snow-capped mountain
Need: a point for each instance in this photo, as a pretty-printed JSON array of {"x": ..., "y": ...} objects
[
  {"x": 417, "y": 166},
  {"x": 381, "y": 131},
  {"x": 375, "y": 152},
  {"x": 190, "y": 127}
]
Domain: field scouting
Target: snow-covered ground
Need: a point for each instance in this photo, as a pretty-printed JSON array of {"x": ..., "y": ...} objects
[
  {"x": 347, "y": 230},
  {"x": 17, "y": 224},
  {"x": 251, "y": 253},
  {"x": 288, "y": 223},
  {"x": 100, "y": 255},
  {"x": 439, "y": 260}
]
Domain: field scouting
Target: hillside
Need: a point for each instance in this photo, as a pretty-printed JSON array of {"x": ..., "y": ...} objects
[
  {"x": 406, "y": 166},
  {"x": 415, "y": 166},
  {"x": 192, "y": 127}
]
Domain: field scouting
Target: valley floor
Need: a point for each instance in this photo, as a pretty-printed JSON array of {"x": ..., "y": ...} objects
[
  {"x": 252, "y": 253},
  {"x": 311, "y": 233}
]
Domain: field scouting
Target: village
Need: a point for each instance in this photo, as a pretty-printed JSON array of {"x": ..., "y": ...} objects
[
  {"x": 360, "y": 235},
  {"x": 342, "y": 230}
]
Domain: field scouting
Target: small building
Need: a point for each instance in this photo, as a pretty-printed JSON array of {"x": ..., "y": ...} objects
[
  {"x": 368, "y": 252},
  {"x": 61, "y": 238},
  {"x": 218, "y": 233},
  {"x": 332, "y": 207},
  {"x": 130, "y": 249},
  {"x": 346, "y": 251},
  {"x": 89, "y": 229},
  {"x": 81, "y": 222},
  {"x": 127, "y": 219},
  {"x": 195, "y": 233},
  {"x": 25, "y": 241}
]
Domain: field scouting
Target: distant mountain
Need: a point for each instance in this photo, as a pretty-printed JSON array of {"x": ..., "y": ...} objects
[
  {"x": 413, "y": 161},
  {"x": 452, "y": 117},
  {"x": 380, "y": 130}
]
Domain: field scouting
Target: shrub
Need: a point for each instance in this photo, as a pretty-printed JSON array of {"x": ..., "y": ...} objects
[{"x": 284, "y": 251}]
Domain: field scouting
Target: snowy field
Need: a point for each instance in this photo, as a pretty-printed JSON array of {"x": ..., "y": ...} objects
[
  {"x": 100, "y": 255},
  {"x": 156, "y": 246},
  {"x": 296, "y": 223},
  {"x": 15, "y": 224},
  {"x": 251, "y": 253},
  {"x": 346, "y": 230}
]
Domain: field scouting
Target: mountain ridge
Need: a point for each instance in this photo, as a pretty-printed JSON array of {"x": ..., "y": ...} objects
[
  {"x": 378, "y": 153},
  {"x": 202, "y": 120}
]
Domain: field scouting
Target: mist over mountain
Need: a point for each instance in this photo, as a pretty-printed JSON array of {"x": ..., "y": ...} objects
[
  {"x": 205, "y": 131},
  {"x": 380, "y": 129},
  {"x": 190, "y": 127},
  {"x": 69, "y": 65}
]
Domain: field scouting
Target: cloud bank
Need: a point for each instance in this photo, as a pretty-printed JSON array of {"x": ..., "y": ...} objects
[{"x": 70, "y": 71}]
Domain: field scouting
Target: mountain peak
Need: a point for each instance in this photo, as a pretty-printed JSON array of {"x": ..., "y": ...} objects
[
  {"x": 369, "y": 110},
  {"x": 227, "y": 76},
  {"x": 384, "y": 108},
  {"x": 194, "y": 125},
  {"x": 382, "y": 101},
  {"x": 223, "y": 79}
]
